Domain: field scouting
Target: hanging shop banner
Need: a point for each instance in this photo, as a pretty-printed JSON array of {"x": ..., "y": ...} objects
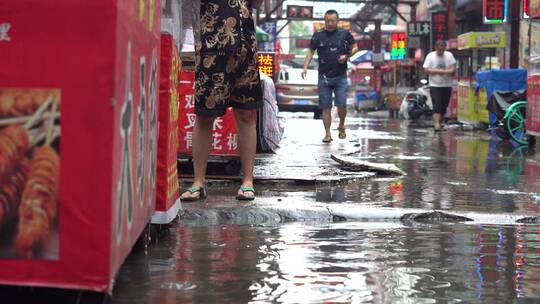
[
  {"x": 297, "y": 11},
  {"x": 266, "y": 63},
  {"x": 365, "y": 44},
  {"x": 344, "y": 24},
  {"x": 494, "y": 11},
  {"x": 398, "y": 47},
  {"x": 167, "y": 187},
  {"x": 418, "y": 29},
  {"x": 271, "y": 28},
  {"x": 473, "y": 40},
  {"x": 224, "y": 138},
  {"x": 78, "y": 138},
  {"x": 439, "y": 27},
  {"x": 534, "y": 8},
  {"x": 533, "y": 105}
]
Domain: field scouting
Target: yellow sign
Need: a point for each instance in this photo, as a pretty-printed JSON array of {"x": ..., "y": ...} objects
[
  {"x": 483, "y": 113},
  {"x": 346, "y": 25},
  {"x": 265, "y": 62},
  {"x": 467, "y": 107},
  {"x": 474, "y": 40}
]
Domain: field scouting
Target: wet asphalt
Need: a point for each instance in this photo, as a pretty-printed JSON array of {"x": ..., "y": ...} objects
[{"x": 319, "y": 232}]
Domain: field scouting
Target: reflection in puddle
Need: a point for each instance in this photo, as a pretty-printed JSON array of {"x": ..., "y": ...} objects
[{"x": 342, "y": 262}]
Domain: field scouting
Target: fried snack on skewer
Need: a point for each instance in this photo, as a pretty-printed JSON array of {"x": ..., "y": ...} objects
[
  {"x": 39, "y": 202},
  {"x": 10, "y": 193},
  {"x": 14, "y": 142},
  {"x": 22, "y": 102}
]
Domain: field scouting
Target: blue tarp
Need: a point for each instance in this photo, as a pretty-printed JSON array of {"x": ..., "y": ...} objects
[
  {"x": 508, "y": 80},
  {"x": 502, "y": 80}
]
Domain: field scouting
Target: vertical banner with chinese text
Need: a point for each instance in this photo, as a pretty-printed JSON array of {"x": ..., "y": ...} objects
[
  {"x": 533, "y": 105},
  {"x": 167, "y": 188},
  {"x": 439, "y": 27}
]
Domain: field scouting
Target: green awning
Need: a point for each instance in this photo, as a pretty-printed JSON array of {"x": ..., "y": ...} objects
[{"x": 261, "y": 34}]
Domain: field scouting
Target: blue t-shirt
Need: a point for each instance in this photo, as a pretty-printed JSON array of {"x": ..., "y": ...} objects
[{"x": 329, "y": 46}]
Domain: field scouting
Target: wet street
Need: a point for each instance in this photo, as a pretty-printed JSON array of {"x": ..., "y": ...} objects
[
  {"x": 318, "y": 233},
  {"x": 314, "y": 234}
]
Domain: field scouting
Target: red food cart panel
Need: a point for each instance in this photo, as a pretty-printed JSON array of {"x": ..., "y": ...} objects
[
  {"x": 533, "y": 105},
  {"x": 94, "y": 64},
  {"x": 224, "y": 139},
  {"x": 167, "y": 188}
]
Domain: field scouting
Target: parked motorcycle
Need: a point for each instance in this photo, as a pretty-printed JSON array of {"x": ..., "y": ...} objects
[{"x": 417, "y": 103}]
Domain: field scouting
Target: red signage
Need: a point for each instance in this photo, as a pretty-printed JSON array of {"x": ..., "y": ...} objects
[
  {"x": 533, "y": 104},
  {"x": 81, "y": 188},
  {"x": 365, "y": 44},
  {"x": 439, "y": 27},
  {"x": 297, "y": 11},
  {"x": 224, "y": 139},
  {"x": 495, "y": 11},
  {"x": 302, "y": 43},
  {"x": 167, "y": 192}
]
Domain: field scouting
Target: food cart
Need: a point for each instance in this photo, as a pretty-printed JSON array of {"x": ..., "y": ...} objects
[
  {"x": 533, "y": 80},
  {"x": 366, "y": 83},
  {"x": 78, "y": 138},
  {"x": 472, "y": 104}
]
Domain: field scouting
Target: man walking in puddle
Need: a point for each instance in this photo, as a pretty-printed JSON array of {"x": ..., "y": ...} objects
[
  {"x": 226, "y": 76},
  {"x": 334, "y": 46},
  {"x": 440, "y": 65}
]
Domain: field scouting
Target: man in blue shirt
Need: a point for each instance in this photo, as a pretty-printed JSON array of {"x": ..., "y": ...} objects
[{"x": 334, "y": 47}]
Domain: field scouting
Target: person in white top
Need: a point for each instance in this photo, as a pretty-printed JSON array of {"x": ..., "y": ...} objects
[{"x": 440, "y": 65}]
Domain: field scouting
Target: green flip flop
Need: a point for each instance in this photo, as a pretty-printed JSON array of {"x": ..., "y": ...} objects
[
  {"x": 200, "y": 190},
  {"x": 242, "y": 197}
]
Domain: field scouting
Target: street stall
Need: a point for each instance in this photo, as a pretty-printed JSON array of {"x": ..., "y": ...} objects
[
  {"x": 533, "y": 80},
  {"x": 366, "y": 83},
  {"x": 78, "y": 138},
  {"x": 483, "y": 45}
]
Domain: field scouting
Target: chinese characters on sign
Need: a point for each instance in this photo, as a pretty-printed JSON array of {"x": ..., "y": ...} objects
[
  {"x": 422, "y": 28},
  {"x": 399, "y": 46},
  {"x": 224, "y": 141},
  {"x": 297, "y": 11},
  {"x": 265, "y": 62},
  {"x": 364, "y": 44},
  {"x": 533, "y": 104},
  {"x": 495, "y": 11},
  {"x": 302, "y": 43},
  {"x": 439, "y": 27},
  {"x": 271, "y": 28},
  {"x": 346, "y": 25}
]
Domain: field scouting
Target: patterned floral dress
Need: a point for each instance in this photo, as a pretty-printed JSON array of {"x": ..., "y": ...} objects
[{"x": 226, "y": 58}]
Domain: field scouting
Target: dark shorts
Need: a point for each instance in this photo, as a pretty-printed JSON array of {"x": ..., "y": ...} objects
[
  {"x": 226, "y": 62},
  {"x": 329, "y": 85},
  {"x": 440, "y": 97}
]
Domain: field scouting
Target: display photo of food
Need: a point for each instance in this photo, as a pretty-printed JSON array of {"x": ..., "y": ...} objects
[{"x": 29, "y": 173}]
